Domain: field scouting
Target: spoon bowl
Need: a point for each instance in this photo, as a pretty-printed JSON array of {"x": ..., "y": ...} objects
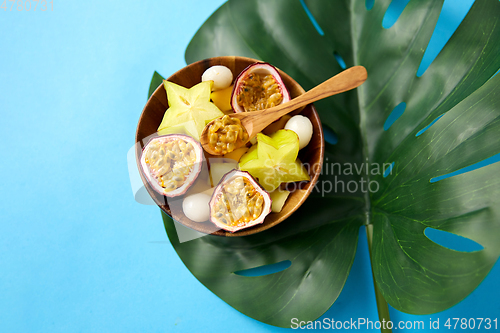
[{"x": 255, "y": 121}]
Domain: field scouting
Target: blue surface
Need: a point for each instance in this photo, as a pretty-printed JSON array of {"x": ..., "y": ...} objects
[{"x": 77, "y": 253}]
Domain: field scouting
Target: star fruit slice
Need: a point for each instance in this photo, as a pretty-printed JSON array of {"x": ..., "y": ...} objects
[
  {"x": 274, "y": 160},
  {"x": 189, "y": 109}
]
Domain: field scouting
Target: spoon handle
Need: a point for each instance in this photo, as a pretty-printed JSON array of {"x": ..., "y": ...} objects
[{"x": 349, "y": 79}]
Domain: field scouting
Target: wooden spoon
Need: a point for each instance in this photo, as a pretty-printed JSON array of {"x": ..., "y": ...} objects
[{"x": 255, "y": 121}]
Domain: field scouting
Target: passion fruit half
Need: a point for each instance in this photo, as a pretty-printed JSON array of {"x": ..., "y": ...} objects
[
  {"x": 239, "y": 202},
  {"x": 258, "y": 87},
  {"x": 171, "y": 163}
]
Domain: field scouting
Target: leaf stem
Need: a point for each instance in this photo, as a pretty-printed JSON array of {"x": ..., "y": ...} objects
[{"x": 382, "y": 307}]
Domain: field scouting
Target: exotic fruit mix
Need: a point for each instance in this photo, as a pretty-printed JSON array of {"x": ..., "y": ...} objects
[{"x": 245, "y": 184}]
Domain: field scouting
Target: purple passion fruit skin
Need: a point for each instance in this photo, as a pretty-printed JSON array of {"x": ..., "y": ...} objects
[
  {"x": 239, "y": 202},
  {"x": 171, "y": 163},
  {"x": 258, "y": 87}
]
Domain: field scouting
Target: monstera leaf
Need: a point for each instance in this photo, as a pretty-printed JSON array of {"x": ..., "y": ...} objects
[{"x": 413, "y": 273}]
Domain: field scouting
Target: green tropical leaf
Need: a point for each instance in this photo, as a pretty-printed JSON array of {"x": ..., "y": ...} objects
[
  {"x": 321, "y": 251},
  {"x": 155, "y": 82},
  {"x": 413, "y": 273}
]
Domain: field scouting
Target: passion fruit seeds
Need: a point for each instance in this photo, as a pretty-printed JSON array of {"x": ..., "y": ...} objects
[
  {"x": 239, "y": 202},
  {"x": 259, "y": 92},
  {"x": 226, "y": 134},
  {"x": 172, "y": 163},
  {"x": 258, "y": 87}
]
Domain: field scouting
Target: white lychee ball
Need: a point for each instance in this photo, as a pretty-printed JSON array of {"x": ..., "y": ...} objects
[
  {"x": 196, "y": 207},
  {"x": 303, "y": 127},
  {"x": 221, "y": 75}
]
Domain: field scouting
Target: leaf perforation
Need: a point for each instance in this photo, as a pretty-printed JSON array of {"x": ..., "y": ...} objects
[
  {"x": 425, "y": 269},
  {"x": 305, "y": 276},
  {"x": 464, "y": 78},
  {"x": 408, "y": 52},
  {"x": 435, "y": 135}
]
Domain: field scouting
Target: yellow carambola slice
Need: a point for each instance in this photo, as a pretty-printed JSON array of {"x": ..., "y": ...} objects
[
  {"x": 274, "y": 160},
  {"x": 189, "y": 109}
]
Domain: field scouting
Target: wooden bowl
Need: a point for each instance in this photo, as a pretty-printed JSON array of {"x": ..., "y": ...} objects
[{"x": 311, "y": 155}]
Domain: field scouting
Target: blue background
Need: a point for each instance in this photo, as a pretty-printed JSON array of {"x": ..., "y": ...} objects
[{"x": 77, "y": 253}]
